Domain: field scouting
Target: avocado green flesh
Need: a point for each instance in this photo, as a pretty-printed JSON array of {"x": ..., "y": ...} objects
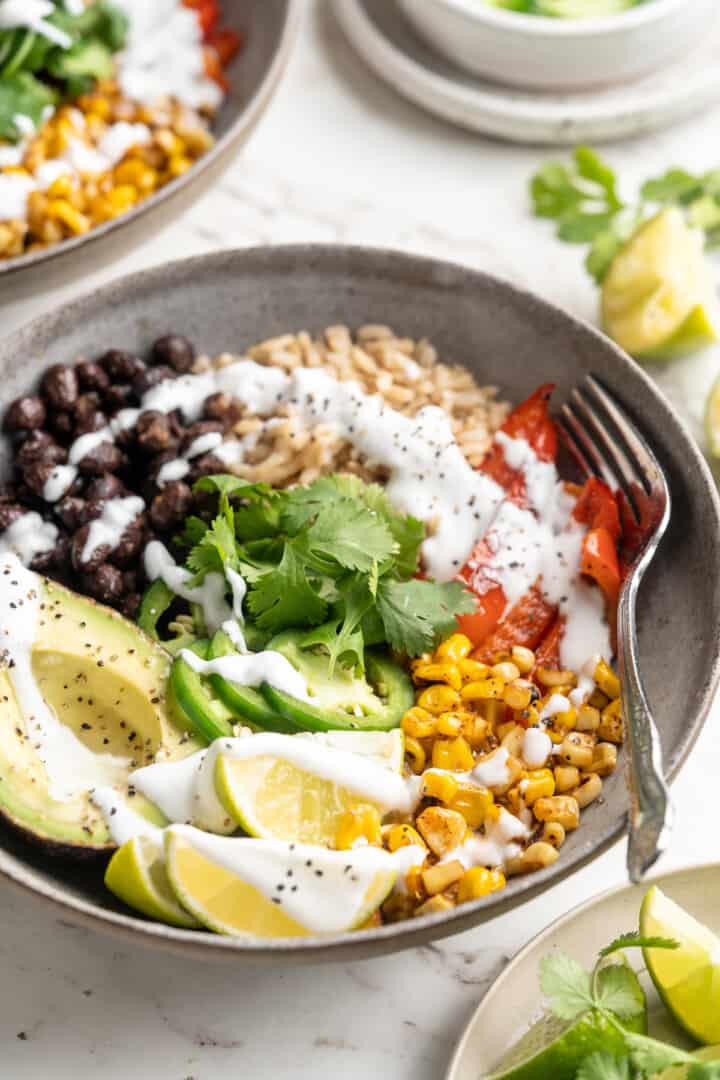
[{"x": 106, "y": 681}]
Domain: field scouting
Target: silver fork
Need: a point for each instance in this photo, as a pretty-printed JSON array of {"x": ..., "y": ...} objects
[{"x": 607, "y": 444}]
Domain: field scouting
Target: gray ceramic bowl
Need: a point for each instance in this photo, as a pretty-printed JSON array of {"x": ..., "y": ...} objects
[
  {"x": 507, "y": 337},
  {"x": 269, "y": 27}
]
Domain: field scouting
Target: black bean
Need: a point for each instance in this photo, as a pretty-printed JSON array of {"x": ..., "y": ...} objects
[
  {"x": 105, "y": 487},
  {"x": 223, "y": 407},
  {"x": 61, "y": 554},
  {"x": 62, "y": 425},
  {"x": 60, "y": 386},
  {"x": 130, "y": 543},
  {"x": 171, "y": 505},
  {"x": 153, "y": 432},
  {"x": 196, "y": 430},
  {"x": 77, "y": 548},
  {"x": 118, "y": 397},
  {"x": 9, "y": 512},
  {"x": 70, "y": 510},
  {"x": 130, "y": 581},
  {"x": 35, "y": 475},
  {"x": 175, "y": 350},
  {"x": 39, "y": 446},
  {"x": 121, "y": 366},
  {"x": 130, "y": 605},
  {"x": 91, "y": 375},
  {"x": 43, "y": 562},
  {"x": 205, "y": 466},
  {"x": 105, "y": 583},
  {"x": 151, "y": 377},
  {"x": 25, "y": 414},
  {"x": 88, "y": 414},
  {"x": 103, "y": 458}
]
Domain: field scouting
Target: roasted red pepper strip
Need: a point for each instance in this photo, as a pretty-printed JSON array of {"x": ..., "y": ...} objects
[
  {"x": 483, "y": 621},
  {"x": 226, "y": 43},
  {"x": 547, "y": 654},
  {"x": 597, "y": 507},
  {"x": 530, "y": 421},
  {"x": 525, "y": 624},
  {"x": 207, "y": 12},
  {"x": 600, "y": 561}
]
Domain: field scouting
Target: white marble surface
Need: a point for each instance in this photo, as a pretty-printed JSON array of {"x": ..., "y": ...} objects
[{"x": 338, "y": 158}]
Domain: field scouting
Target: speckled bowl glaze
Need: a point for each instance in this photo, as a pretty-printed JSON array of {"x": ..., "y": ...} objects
[
  {"x": 269, "y": 27},
  {"x": 508, "y": 337}
]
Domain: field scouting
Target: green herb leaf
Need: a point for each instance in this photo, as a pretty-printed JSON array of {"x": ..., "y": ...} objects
[
  {"x": 704, "y": 1070},
  {"x": 603, "y": 1066},
  {"x": 417, "y": 614},
  {"x": 215, "y": 551},
  {"x": 22, "y": 95},
  {"x": 285, "y": 596},
  {"x": 617, "y": 990},
  {"x": 634, "y": 940},
  {"x": 651, "y": 1056},
  {"x": 591, "y": 167},
  {"x": 566, "y": 985},
  {"x": 675, "y": 187},
  {"x": 347, "y": 534}
]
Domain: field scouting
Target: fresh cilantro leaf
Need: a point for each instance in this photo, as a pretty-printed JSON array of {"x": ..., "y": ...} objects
[
  {"x": 553, "y": 192},
  {"x": 303, "y": 504},
  {"x": 675, "y": 187},
  {"x": 194, "y": 529},
  {"x": 704, "y": 213},
  {"x": 417, "y": 614},
  {"x": 651, "y": 1056},
  {"x": 284, "y": 596},
  {"x": 345, "y": 533},
  {"x": 591, "y": 167},
  {"x": 215, "y": 551},
  {"x": 616, "y": 988},
  {"x": 407, "y": 531},
  {"x": 603, "y": 1066},
  {"x": 229, "y": 485},
  {"x": 566, "y": 985},
  {"x": 634, "y": 940},
  {"x": 704, "y": 1070},
  {"x": 22, "y": 95}
]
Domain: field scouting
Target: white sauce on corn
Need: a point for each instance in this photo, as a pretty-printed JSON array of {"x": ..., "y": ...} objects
[
  {"x": 555, "y": 705},
  {"x": 71, "y": 767},
  {"x": 117, "y": 515},
  {"x": 29, "y": 536},
  {"x": 536, "y": 747},
  {"x": 496, "y": 848}
]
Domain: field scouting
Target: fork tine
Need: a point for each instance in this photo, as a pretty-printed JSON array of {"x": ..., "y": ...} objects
[
  {"x": 574, "y": 447},
  {"x": 627, "y": 473},
  {"x": 588, "y": 450},
  {"x": 634, "y": 441}
]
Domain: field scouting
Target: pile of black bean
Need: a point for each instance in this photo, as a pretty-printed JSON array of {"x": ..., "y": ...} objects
[{"x": 75, "y": 399}]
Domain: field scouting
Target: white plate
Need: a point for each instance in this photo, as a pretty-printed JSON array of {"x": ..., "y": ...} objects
[
  {"x": 387, "y": 42},
  {"x": 514, "y": 1000}
]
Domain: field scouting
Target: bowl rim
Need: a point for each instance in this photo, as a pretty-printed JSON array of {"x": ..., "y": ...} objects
[
  {"x": 250, "y": 112},
  {"x": 514, "y": 22},
  {"x": 393, "y": 936},
  {"x": 550, "y": 929}
]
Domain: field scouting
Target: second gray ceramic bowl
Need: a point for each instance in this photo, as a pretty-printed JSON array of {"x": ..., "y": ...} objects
[{"x": 507, "y": 337}]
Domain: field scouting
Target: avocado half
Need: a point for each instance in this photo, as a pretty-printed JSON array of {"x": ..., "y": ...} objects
[{"x": 106, "y": 681}]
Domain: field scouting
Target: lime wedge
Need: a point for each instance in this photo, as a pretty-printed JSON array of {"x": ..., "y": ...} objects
[
  {"x": 216, "y": 878},
  {"x": 658, "y": 299},
  {"x": 556, "y": 1048},
  {"x": 712, "y": 420},
  {"x": 688, "y": 978},
  {"x": 270, "y": 798},
  {"x": 679, "y": 1072},
  {"x": 136, "y": 874}
]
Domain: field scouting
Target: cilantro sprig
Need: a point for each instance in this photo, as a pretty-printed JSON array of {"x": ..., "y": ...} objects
[
  {"x": 582, "y": 197},
  {"x": 611, "y": 989},
  {"x": 334, "y": 557}
]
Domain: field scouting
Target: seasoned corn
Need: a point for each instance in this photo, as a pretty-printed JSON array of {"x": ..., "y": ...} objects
[
  {"x": 402, "y": 836},
  {"x": 439, "y": 785},
  {"x": 456, "y": 647},
  {"x": 440, "y": 877},
  {"x": 561, "y": 808},
  {"x": 474, "y": 803},
  {"x": 611, "y": 723},
  {"x": 361, "y": 823},
  {"x": 441, "y": 829},
  {"x": 439, "y": 699},
  {"x": 539, "y": 784},
  {"x": 453, "y": 754},
  {"x": 478, "y": 882}
]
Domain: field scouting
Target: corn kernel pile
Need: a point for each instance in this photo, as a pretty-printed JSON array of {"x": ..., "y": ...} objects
[
  {"x": 466, "y": 712},
  {"x": 74, "y": 204}
]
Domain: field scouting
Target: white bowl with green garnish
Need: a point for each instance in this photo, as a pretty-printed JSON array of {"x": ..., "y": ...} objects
[{"x": 563, "y": 44}]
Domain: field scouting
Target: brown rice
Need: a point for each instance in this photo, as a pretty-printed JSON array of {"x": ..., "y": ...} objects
[{"x": 280, "y": 450}]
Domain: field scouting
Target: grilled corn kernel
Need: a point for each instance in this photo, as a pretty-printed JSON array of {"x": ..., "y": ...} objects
[
  {"x": 60, "y": 188},
  {"x": 607, "y": 680},
  {"x": 539, "y": 784},
  {"x": 588, "y": 718},
  {"x": 414, "y": 882},
  {"x": 449, "y": 724},
  {"x": 538, "y": 856},
  {"x": 506, "y": 670},
  {"x": 554, "y": 678},
  {"x": 567, "y": 719},
  {"x": 567, "y": 777},
  {"x": 473, "y": 803},
  {"x": 501, "y": 730},
  {"x": 517, "y": 695},
  {"x": 435, "y": 905},
  {"x": 441, "y": 672},
  {"x": 598, "y": 700},
  {"x": 440, "y": 877},
  {"x": 418, "y": 723},
  {"x": 360, "y": 823},
  {"x": 122, "y": 198},
  {"x": 415, "y": 751},
  {"x": 137, "y": 174},
  {"x": 513, "y": 740},
  {"x": 179, "y": 164},
  {"x": 439, "y": 785},
  {"x": 399, "y": 836},
  {"x": 574, "y": 751},
  {"x": 523, "y": 658},
  {"x": 61, "y": 210},
  {"x": 604, "y": 759},
  {"x": 588, "y": 791},
  {"x": 554, "y": 834},
  {"x": 611, "y": 727},
  {"x": 483, "y": 689},
  {"x": 441, "y": 829},
  {"x": 472, "y": 670},
  {"x": 455, "y": 648},
  {"x": 439, "y": 699},
  {"x": 478, "y": 882},
  {"x": 453, "y": 754},
  {"x": 561, "y": 808},
  {"x": 475, "y": 729}
]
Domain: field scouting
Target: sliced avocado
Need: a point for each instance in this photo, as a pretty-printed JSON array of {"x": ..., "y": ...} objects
[
  {"x": 106, "y": 681},
  {"x": 247, "y": 704},
  {"x": 345, "y": 700}
]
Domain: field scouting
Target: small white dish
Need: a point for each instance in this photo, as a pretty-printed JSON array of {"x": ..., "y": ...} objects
[
  {"x": 384, "y": 38},
  {"x": 561, "y": 54},
  {"x": 514, "y": 1001}
]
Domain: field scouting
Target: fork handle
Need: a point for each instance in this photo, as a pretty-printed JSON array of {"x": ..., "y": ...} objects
[{"x": 651, "y": 809}]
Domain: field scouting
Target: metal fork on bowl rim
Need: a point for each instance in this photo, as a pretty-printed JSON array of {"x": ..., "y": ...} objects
[{"x": 606, "y": 444}]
